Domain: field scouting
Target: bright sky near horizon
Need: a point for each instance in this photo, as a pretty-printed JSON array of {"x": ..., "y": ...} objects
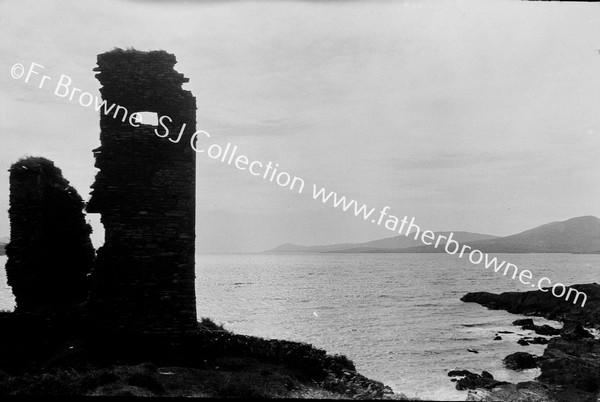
[{"x": 481, "y": 116}]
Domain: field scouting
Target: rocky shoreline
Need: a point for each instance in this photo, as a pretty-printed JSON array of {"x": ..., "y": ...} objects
[{"x": 570, "y": 364}]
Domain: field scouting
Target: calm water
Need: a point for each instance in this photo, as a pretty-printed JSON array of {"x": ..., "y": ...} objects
[{"x": 397, "y": 316}]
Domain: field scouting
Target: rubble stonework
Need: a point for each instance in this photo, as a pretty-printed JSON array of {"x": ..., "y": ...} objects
[
  {"x": 144, "y": 278},
  {"x": 50, "y": 252}
]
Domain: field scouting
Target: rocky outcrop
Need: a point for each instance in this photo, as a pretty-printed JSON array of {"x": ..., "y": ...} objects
[
  {"x": 527, "y": 324},
  {"x": 544, "y": 304},
  {"x": 573, "y": 331},
  {"x": 520, "y": 361},
  {"x": 471, "y": 380},
  {"x": 570, "y": 365},
  {"x": 537, "y": 340},
  {"x": 458, "y": 373},
  {"x": 50, "y": 252}
]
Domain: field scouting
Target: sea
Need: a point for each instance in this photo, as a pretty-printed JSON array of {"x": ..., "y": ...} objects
[{"x": 397, "y": 316}]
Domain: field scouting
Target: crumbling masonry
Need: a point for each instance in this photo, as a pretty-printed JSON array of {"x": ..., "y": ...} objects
[
  {"x": 143, "y": 278},
  {"x": 50, "y": 252}
]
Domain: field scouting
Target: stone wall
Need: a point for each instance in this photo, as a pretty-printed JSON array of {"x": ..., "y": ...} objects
[
  {"x": 144, "y": 278},
  {"x": 50, "y": 252}
]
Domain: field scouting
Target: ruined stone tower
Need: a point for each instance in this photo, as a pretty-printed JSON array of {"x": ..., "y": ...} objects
[
  {"x": 50, "y": 251},
  {"x": 143, "y": 279}
]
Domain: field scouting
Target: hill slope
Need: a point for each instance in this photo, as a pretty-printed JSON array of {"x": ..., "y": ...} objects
[
  {"x": 576, "y": 235},
  {"x": 381, "y": 245}
]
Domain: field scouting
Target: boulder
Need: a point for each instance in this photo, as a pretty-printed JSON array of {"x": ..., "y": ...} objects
[
  {"x": 524, "y": 321},
  {"x": 574, "y": 331},
  {"x": 458, "y": 373},
  {"x": 520, "y": 361},
  {"x": 474, "y": 381},
  {"x": 538, "y": 340},
  {"x": 543, "y": 329}
]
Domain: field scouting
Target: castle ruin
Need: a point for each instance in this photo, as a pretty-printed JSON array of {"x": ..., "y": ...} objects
[
  {"x": 144, "y": 277},
  {"x": 50, "y": 252}
]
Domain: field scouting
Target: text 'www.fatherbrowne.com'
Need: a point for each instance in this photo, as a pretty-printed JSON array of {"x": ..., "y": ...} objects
[
  {"x": 449, "y": 245},
  {"x": 271, "y": 172}
]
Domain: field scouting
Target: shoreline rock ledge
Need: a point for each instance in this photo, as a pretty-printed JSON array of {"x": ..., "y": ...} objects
[
  {"x": 570, "y": 365},
  {"x": 544, "y": 304}
]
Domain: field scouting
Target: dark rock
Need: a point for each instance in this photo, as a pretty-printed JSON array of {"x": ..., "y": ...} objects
[
  {"x": 486, "y": 374},
  {"x": 472, "y": 351},
  {"x": 474, "y": 381},
  {"x": 544, "y": 304},
  {"x": 498, "y": 338},
  {"x": 542, "y": 330},
  {"x": 458, "y": 373},
  {"x": 574, "y": 331},
  {"x": 505, "y": 332},
  {"x": 528, "y": 324},
  {"x": 570, "y": 366},
  {"x": 523, "y": 321},
  {"x": 538, "y": 340},
  {"x": 520, "y": 361},
  {"x": 523, "y": 342},
  {"x": 547, "y": 330}
]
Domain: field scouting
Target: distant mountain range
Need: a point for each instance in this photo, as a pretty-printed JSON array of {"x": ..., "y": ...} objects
[
  {"x": 390, "y": 244},
  {"x": 577, "y": 235}
]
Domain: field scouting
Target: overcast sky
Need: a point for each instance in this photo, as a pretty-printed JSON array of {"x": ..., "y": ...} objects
[{"x": 467, "y": 115}]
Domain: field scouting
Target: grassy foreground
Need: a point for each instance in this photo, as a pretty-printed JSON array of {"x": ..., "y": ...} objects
[{"x": 63, "y": 357}]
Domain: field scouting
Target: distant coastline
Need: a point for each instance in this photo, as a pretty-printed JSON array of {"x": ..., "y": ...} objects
[{"x": 579, "y": 235}]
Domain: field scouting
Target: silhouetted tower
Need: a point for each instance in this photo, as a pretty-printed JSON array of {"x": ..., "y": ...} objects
[
  {"x": 144, "y": 279},
  {"x": 50, "y": 252}
]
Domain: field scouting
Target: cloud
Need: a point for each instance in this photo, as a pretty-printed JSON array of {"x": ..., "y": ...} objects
[{"x": 429, "y": 106}]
